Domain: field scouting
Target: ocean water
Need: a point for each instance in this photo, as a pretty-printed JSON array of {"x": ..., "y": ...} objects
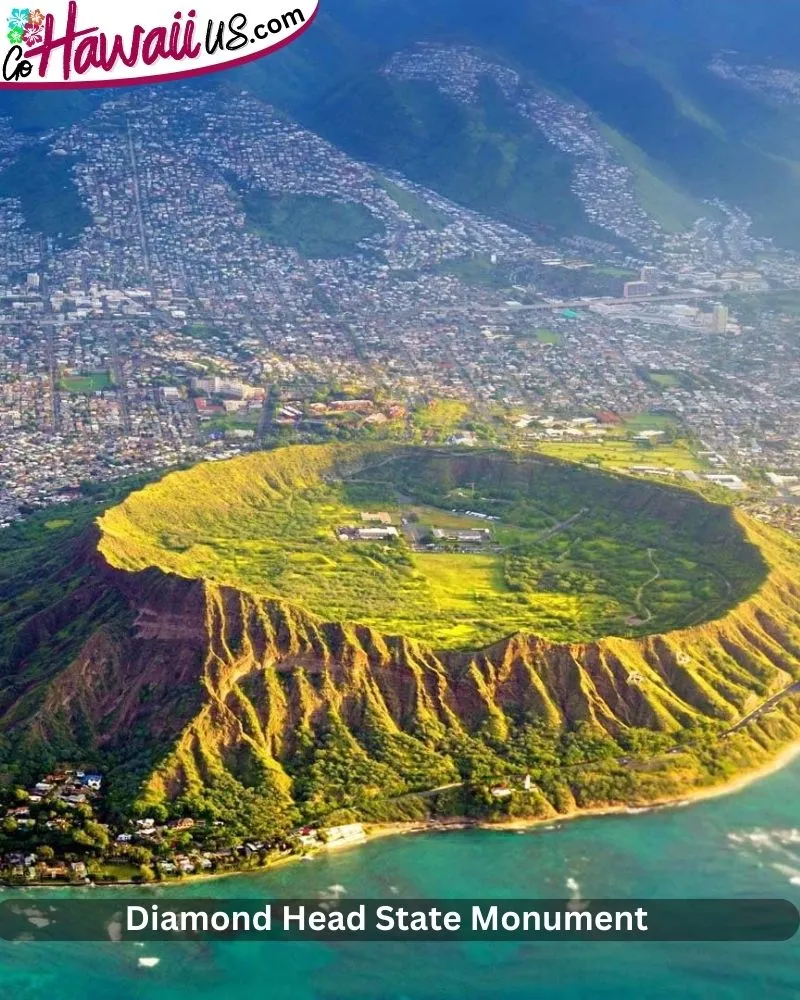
[{"x": 742, "y": 845}]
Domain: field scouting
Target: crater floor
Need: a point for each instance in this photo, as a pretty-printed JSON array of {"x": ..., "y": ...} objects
[{"x": 454, "y": 548}]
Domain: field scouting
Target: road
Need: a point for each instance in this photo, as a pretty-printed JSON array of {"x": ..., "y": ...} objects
[
  {"x": 52, "y": 374},
  {"x": 430, "y": 791},
  {"x": 118, "y": 377},
  {"x": 770, "y": 703},
  {"x": 450, "y": 310},
  {"x": 585, "y": 303},
  {"x": 560, "y": 526},
  {"x": 139, "y": 214},
  {"x": 766, "y": 706}
]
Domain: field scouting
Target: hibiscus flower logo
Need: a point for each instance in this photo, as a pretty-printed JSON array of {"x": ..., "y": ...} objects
[
  {"x": 33, "y": 34},
  {"x": 19, "y": 18},
  {"x": 16, "y": 24},
  {"x": 26, "y": 26}
]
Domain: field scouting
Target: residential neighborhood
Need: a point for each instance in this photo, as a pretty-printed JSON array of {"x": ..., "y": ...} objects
[
  {"x": 59, "y": 818},
  {"x": 155, "y": 336}
]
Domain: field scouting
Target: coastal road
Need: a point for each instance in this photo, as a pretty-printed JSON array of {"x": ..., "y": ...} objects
[
  {"x": 793, "y": 688},
  {"x": 428, "y": 792}
]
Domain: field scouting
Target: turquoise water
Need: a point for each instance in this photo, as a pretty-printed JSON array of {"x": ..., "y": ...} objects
[{"x": 746, "y": 844}]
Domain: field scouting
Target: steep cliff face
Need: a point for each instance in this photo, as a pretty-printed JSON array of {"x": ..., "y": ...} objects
[
  {"x": 215, "y": 681},
  {"x": 202, "y": 695}
]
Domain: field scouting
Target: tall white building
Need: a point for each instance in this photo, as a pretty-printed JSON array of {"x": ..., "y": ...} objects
[
  {"x": 719, "y": 319},
  {"x": 650, "y": 275}
]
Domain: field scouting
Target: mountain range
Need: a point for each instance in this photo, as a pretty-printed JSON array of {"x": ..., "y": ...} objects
[{"x": 643, "y": 71}]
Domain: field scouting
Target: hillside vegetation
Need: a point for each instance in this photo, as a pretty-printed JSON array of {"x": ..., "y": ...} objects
[
  {"x": 484, "y": 156},
  {"x": 245, "y": 708},
  {"x": 568, "y": 554},
  {"x": 47, "y": 194},
  {"x": 316, "y": 227}
]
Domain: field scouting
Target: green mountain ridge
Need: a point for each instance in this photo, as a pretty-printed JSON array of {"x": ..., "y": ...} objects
[
  {"x": 642, "y": 71},
  {"x": 484, "y": 156}
]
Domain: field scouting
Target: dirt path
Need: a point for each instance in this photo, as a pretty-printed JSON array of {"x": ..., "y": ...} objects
[{"x": 648, "y": 614}]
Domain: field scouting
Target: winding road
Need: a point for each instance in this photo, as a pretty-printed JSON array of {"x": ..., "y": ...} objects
[{"x": 766, "y": 706}]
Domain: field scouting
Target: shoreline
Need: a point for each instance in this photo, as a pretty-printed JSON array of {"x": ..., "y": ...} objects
[
  {"x": 693, "y": 797},
  {"x": 452, "y": 824}
]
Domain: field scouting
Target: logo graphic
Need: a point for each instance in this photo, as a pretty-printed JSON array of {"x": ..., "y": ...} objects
[
  {"x": 25, "y": 26},
  {"x": 91, "y": 43}
]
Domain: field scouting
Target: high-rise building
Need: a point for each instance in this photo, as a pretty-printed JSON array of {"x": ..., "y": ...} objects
[
  {"x": 719, "y": 319},
  {"x": 636, "y": 289},
  {"x": 650, "y": 275},
  {"x": 33, "y": 280}
]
